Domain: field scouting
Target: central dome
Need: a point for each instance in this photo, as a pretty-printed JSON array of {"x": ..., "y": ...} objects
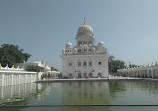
[{"x": 85, "y": 30}]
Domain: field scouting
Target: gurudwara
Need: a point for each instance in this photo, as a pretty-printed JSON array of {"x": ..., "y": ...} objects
[{"x": 85, "y": 59}]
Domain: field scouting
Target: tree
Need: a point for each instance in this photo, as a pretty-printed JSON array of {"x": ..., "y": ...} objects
[
  {"x": 114, "y": 65},
  {"x": 11, "y": 54},
  {"x": 53, "y": 69},
  {"x": 34, "y": 68},
  {"x": 132, "y": 65}
]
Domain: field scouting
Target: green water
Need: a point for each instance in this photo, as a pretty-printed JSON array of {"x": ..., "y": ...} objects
[{"x": 68, "y": 93}]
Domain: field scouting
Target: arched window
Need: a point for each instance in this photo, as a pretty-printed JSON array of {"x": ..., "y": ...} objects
[
  {"x": 99, "y": 74},
  {"x": 79, "y": 64},
  {"x": 90, "y": 62},
  {"x": 85, "y": 74},
  {"x": 84, "y": 42},
  {"x": 85, "y": 50},
  {"x": 89, "y": 42},
  {"x": 90, "y": 50},
  {"x": 79, "y": 50},
  {"x": 79, "y": 74},
  {"x": 79, "y": 42}
]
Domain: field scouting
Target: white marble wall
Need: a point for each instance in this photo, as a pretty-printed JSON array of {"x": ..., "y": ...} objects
[
  {"x": 74, "y": 69},
  {"x": 12, "y": 78}
]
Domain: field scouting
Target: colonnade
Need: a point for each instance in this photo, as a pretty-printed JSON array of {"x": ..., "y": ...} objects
[{"x": 142, "y": 72}]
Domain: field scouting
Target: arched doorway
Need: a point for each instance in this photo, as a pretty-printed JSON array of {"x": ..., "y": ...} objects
[
  {"x": 146, "y": 74},
  {"x": 142, "y": 74},
  {"x": 139, "y": 74},
  {"x": 154, "y": 73},
  {"x": 135, "y": 74},
  {"x": 150, "y": 74},
  {"x": 70, "y": 75},
  {"x": 79, "y": 74},
  {"x": 90, "y": 74},
  {"x": 99, "y": 74},
  {"x": 85, "y": 75}
]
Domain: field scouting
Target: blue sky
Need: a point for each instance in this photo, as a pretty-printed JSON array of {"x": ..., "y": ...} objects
[{"x": 129, "y": 28}]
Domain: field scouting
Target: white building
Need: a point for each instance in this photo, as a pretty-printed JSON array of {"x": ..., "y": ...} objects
[
  {"x": 85, "y": 59},
  {"x": 38, "y": 63}
]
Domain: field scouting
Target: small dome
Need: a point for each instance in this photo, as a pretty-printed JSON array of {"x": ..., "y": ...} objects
[
  {"x": 69, "y": 44},
  {"x": 63, "y": 50},
  {"x": 47, "y": 68},
  {"x": 85, "y": 30},
  {"x": 100, "y": 43}
]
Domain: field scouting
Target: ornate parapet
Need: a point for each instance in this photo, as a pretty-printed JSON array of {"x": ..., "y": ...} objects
[{"x": 12, "y": 68}]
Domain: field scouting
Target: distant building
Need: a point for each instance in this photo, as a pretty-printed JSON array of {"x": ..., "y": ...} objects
[
  {"x": 38, "y": 63},
  {"x": 85, "y": 59},
  {"x": 143, "y": 71}
]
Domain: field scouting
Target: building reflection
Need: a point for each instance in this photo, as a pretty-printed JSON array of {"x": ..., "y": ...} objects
[
  {"x": 77, "y": 93},
  {"x": 148, "y": 87},
  {"x": 71, "y": 93},
  {"x": 12, "y": 93}
]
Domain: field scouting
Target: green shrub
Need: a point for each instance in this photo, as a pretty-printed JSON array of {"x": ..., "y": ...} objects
[{"x": 34, "y": 68}]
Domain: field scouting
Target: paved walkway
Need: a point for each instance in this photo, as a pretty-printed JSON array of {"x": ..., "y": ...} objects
[
  {"x": 90, "y": 79},
  {"x": 123, "y": 78},
  {"x": 77, "y": 79},
  {"x": 150, "y": 79}
]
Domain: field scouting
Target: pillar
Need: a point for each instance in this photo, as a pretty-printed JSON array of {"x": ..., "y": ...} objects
[
  {"x": 2, "y": 79},
  {"x": 19, "y": 79},
  {"x": 25, "y": 78},
  {"x": 31, "y": 78},
  {"x": 12, "y": 79}
]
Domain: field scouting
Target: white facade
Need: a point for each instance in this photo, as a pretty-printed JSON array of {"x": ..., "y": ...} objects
[
  {"x": 85, "y": 59},
  {"x": 16, "y": 77}
]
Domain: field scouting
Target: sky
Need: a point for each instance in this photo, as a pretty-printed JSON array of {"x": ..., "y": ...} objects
[{"x": 129, "y": 28}]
